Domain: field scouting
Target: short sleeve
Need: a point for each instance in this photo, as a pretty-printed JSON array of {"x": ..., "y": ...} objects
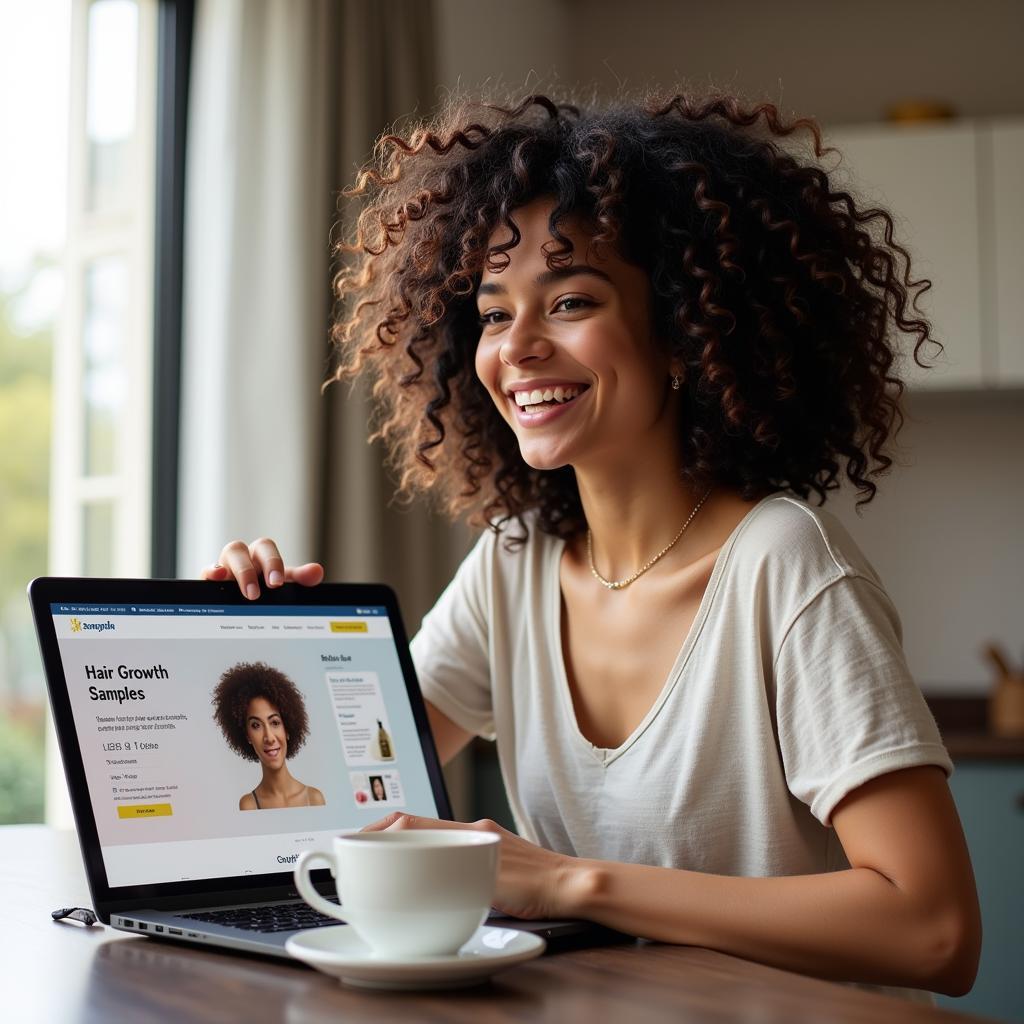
[
  {"x": 451, "y": 649},
  {"x": 847, "y": 707}
]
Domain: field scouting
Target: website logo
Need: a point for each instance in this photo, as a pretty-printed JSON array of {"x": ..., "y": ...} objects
[{"x": 99, "y": 627}]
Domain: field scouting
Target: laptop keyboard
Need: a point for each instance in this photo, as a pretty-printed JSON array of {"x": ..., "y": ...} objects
[{"x": 276, "y": 917}]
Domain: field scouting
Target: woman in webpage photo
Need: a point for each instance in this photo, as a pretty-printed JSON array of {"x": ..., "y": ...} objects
[
  {"x": 631, "y": 342},
  {"x": 263, "y": 717}
]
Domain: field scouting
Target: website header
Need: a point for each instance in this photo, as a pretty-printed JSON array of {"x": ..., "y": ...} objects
[
  {"x": 58, "y": 608},
  {"x": 314, "y": 622}
]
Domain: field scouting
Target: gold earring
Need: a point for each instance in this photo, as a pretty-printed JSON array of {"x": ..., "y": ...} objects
[{"x": 677, "y": 381}]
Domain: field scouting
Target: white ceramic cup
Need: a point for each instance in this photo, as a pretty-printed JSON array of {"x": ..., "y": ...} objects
[{"x": 418, "y": 893}]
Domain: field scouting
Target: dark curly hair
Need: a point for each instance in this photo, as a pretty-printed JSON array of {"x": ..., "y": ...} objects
[
  {"x": 241, "y": 684},
  {"x": 774, "y": 289}
]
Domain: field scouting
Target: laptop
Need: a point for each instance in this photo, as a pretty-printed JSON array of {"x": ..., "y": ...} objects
[{"x": 176, "y": 703}]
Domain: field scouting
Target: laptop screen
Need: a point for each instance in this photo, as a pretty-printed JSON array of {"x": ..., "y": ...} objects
[{"x": 225, "y": 740}]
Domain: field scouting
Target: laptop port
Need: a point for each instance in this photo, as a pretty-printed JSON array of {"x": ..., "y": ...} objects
[
  {"x": 173, "y": 931},
  {"x": 158, "y": 927},
  {"x": 125, "y": 923},
  {"x": 143, "y": 927}
]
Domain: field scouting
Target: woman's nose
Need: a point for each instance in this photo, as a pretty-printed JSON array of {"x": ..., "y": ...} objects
[{"x": 525, "y": 341}]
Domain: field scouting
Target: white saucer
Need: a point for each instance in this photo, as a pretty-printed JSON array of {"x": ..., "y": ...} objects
[{"x": 340, "y": 952}]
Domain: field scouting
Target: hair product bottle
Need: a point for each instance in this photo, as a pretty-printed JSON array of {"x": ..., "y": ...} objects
[{"x": 384, "y": 743}]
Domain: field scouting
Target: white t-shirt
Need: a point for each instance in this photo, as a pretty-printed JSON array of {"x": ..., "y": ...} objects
[{"x": 790, "y": 690}]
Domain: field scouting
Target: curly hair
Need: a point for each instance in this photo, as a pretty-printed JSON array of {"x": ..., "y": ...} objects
[
  {"x": 243, "y": 683},
  {"x": 773, "y": 288}
]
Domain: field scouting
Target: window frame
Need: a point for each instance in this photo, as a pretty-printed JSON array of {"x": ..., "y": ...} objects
[
  {"x": 148, "y": 232},
  {"x": 174, "y": 59},
  {"x": 126, "y": 232}
]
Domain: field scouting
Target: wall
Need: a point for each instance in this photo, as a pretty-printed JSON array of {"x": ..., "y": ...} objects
[{"x": 944, "y": 532}]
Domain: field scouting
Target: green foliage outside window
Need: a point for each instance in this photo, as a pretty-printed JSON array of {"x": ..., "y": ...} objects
[{"x": 25, "y": 416}]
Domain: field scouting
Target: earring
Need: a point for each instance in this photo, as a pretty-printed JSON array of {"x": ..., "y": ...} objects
[{"x": 677, "y": 382}]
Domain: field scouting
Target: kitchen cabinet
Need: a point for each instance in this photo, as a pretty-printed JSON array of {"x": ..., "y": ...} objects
[
  {"x": 928, "y": 178},
  {"x": 1004, "y": 149},
  {"x": 989, "y": 796}
]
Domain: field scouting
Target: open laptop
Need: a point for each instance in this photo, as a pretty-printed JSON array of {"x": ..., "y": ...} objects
[{"x": 144, "y": 678}]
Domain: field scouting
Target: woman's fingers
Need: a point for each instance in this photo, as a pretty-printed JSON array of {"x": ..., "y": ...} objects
[
  {"x": 397, "y": 821},
  {"x": 236, "y": 557},
  {"x": 309, "y": 575},
  {"x": 247, "y": 563},
  {"x": 268, "y": 562}
]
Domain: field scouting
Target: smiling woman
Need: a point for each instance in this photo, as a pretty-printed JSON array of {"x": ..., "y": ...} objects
[
  {"x": 263, "y": 717},
  {"x": 771, "y": 294},
  {"x": 631, "y": 342}
]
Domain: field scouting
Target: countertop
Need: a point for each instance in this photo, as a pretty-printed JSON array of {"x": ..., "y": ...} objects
[{"x": 963, "y": 723}]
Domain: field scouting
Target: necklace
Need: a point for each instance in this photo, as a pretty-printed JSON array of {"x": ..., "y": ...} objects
[{"x": 619, "y": 584}]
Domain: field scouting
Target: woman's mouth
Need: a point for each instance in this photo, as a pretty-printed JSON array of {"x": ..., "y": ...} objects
[
  {"x": 539, "y": 405},
  {"x": 271, "y": 751}
]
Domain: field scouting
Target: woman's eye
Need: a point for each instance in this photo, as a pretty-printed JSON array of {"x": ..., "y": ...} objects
[
  {"x": 485, "y": 318},
  {"x": 573, "y": 298}
]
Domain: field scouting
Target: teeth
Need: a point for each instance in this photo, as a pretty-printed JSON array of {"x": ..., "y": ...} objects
[{"x": 527, "y": 399}]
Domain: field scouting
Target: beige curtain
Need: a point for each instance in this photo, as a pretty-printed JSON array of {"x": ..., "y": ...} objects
[
  {"x": 385, "y": 69},
  {"x": 256, "y": 210},
  {"x": 287, "y": 99}
]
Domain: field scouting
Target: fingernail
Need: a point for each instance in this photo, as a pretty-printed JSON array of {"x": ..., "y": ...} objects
[
  {"x": 275, "y": 578},
  {"x": 252, "y": 591}
]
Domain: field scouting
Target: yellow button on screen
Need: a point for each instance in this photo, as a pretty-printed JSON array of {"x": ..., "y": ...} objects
[
  {"x": 348, "y": 627},
  {"x": 144, "y": 810}
]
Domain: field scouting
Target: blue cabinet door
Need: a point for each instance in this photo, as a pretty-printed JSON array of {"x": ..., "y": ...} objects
[{"x": 990, "y": 798}]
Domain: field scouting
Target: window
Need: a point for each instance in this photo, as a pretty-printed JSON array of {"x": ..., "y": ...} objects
[{"x": 77, "y": 97}]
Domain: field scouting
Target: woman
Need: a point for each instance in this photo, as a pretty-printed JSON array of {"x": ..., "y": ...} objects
[
  {"x": 263, "y": 717},
  {"x": 632, "y": 342}
]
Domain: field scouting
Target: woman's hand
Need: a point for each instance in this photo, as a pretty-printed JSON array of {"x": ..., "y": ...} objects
[
  {"x": 247, "y": 562},
  {"x": 532, "y": 882}
]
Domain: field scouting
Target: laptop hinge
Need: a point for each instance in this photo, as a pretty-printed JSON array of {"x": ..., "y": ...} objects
[{"x": 222, "y": 897}]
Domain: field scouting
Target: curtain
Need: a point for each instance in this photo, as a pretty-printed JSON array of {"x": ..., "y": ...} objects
[
  {"x": 386, "y": 69},
  {"x": 256, "y": 206},
  {"x": 286, "y": 101}
]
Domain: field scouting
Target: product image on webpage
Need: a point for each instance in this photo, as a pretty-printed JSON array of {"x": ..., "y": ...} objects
[{"x": 220, "y": 742}]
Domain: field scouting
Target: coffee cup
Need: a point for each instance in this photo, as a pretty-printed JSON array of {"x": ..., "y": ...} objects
[{"x": 407, "y": 894}]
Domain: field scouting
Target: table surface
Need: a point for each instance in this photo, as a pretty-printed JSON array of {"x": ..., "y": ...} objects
[{"x": 65, "y": 972}]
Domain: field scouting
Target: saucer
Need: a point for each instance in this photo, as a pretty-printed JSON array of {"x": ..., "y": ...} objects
[{"x": 340, "y": 952}]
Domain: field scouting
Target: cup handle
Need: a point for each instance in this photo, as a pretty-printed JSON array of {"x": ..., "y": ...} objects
[{"x": 305, "y": 886}]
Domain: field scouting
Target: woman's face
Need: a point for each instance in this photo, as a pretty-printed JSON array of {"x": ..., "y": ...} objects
[
  {"x": 266, "y": 732},
  {"x": 378, "y": 789},
  {"x": 581, "y": 337}
]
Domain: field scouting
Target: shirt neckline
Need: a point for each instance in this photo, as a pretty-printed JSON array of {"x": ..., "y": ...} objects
[{"x": 607, "y": 755}]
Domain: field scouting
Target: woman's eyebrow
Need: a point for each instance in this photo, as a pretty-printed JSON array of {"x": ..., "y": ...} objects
[{"x": 557, "y": 274}]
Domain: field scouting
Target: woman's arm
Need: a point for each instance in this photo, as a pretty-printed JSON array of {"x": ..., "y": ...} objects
[
  {"x": 905, "y": 913},
  {"x": 449, "y": 738}
]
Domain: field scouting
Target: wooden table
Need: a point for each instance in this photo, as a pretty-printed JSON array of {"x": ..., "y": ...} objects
[{"x": 65, "y": 972}]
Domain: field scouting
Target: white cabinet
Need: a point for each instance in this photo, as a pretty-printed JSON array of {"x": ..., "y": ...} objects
[
  {"x": 927, "y": 178},
  {"x": 1004, "y": 151}
]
